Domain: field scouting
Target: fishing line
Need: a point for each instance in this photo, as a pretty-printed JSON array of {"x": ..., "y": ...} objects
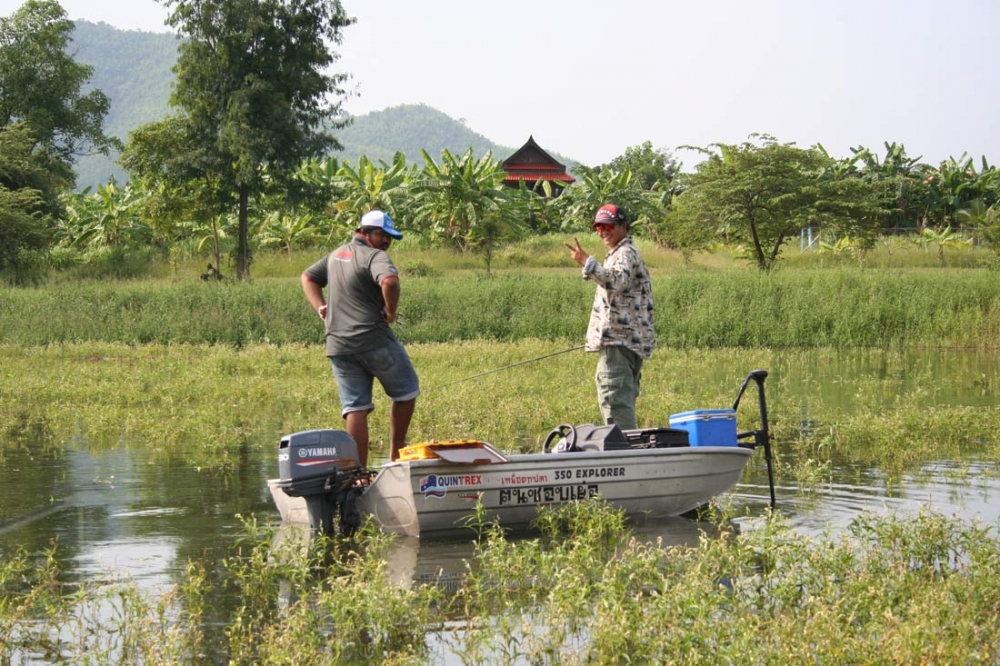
[{"x": 512, "y": 365}]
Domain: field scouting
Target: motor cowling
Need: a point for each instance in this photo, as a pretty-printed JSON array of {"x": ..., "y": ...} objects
[{"x": 319, "y": 466}]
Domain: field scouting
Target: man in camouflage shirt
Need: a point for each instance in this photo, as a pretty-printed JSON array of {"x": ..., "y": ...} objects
[{"x": 621, "y": 321}]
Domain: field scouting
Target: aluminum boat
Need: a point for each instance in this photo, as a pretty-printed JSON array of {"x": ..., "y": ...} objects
[{"x": 436, "y": 487}]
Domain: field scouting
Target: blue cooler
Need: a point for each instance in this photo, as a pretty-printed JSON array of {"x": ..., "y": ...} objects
[{"x": 707, "y": 427}]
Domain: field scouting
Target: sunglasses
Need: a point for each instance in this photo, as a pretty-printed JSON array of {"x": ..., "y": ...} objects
[{"x": 603, "y": 226}]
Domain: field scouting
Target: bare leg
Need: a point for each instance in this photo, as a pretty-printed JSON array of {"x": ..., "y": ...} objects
[
  {"x": 399, "y": 423},
  {"x": 357, "y": 428}
]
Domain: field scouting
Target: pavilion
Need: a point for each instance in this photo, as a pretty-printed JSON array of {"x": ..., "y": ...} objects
[{"x": 532, "y": 164}]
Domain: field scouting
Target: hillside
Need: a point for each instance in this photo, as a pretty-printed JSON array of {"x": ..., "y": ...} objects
[
  {"x": 134, "y": 69},
  {"x": 410, "y": 128}
]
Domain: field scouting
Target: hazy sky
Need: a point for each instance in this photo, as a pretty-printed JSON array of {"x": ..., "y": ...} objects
[{"x": 590, "y": 78}]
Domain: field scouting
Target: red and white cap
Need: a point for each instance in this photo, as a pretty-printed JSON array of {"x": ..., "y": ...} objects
[{"x": 608, "y": 214}]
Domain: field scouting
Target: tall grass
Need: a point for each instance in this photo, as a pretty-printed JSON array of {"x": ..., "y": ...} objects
[{"x": 834, "y": 307}]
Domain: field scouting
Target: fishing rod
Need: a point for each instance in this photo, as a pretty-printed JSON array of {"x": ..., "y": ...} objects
[{"x": 513, "y": 365}]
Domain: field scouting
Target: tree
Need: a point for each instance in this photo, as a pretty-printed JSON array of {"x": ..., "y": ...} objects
[
  {"x": 651, "y": 169},
  {"x": 254, "y": 94},
  {"x": 26, "y": 204},
  {"x": 41, "y": 86},
  {"x": 582, "y": 199},
  {"x": 46, "y": 121},
  {"x": 182, "y": 199},
  {"x": 685, "y": 229},
  {"x": 762, "y": 194}
]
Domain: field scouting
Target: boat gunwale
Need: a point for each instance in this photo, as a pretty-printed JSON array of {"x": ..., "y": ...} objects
[{"x": 582, "y": 456}]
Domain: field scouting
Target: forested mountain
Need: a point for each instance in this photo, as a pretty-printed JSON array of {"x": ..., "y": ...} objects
[
  {"x": 410, "y": 128},
  {"x": 133, "y": 68}
]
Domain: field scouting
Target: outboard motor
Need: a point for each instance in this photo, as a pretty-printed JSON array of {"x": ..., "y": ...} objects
[{"x": 323, "y": 467}]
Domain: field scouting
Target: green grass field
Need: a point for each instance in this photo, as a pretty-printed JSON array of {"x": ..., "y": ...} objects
[{"x": 535, "y": 292}]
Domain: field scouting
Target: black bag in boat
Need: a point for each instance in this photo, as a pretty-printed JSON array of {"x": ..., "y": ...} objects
[
  {"x": 657, "y": 438},
  {"x": 610, "y": 437}
]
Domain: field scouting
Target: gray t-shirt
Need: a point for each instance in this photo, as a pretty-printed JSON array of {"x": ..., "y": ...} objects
[{"x": 354, "y": 272}]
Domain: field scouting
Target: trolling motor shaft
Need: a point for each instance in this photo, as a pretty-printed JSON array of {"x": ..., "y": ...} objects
[{"x": 762, "y": 436}]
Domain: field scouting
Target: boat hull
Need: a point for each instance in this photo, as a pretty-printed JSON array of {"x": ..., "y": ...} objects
[{"x": 435, "y": 498}]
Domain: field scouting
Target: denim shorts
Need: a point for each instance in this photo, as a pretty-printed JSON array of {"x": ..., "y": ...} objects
[{"x": 355, "y": 374}]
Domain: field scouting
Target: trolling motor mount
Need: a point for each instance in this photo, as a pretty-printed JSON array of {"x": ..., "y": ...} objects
[{"x": 762, "y": 436}]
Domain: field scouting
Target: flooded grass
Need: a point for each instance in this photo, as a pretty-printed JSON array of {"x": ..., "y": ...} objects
[
  {"x": 206, "y": 404},
  {"x": 896, "y": 591}
]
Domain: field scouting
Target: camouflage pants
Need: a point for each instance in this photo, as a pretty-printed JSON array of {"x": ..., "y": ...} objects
[{"x": 619, "y": 370}]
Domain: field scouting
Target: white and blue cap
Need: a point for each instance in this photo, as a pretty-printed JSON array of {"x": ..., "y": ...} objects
[{"x": 380, "y": 220}]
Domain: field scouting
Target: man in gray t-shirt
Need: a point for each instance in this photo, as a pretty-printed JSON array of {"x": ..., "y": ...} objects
[{"x": 361, "y": 302}]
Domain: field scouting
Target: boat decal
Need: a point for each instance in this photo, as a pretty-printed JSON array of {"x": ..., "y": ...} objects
[
  {"x": 517, "y": 479},
  {"x": 306, "y": 452},
  {"x": 601, "y": 472},
  {"x": 312, "y": 462},
  {"x": 434, "y": 485},
  {"x": 548, "y": 494}
]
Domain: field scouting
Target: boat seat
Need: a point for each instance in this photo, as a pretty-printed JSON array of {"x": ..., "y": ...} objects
[{"x": 600, "y": 438}]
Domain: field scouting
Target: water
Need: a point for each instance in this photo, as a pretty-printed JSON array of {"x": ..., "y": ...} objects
[{"x": 120, "y": 513}]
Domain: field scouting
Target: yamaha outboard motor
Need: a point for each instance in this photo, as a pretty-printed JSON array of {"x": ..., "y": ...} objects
[{"x": 323, "y": 467}]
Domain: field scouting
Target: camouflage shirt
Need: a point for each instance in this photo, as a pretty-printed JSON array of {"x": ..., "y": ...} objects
[{"x": 623, "y": 305}]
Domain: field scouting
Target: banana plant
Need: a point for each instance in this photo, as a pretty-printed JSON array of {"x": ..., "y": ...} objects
[
  {"x": 541, "y": 204},
  {"x": 464, "y": 200},
  {"x": 842, "y": 245},
  {"x": 846, "y": 245},
  {"x": 945, "y": 237},
  {"x": 108, "y": 217},
  {"x": 903, "y": 178},
  {"x": 369, "y": 187},
  {"x": 591, "y": 191},
  {"x": 985, "y": 220},
  {"x": 286, "y": 230},
  {"x": 213, "y": 232},
  {"x": 956, "y": 183}
]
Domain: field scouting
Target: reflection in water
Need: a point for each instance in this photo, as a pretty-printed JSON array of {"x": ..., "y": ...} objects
[
  {"x": 116, "y": 512},
  {"x": 445, "y": 563},
  {"x": 968, "y": 489},
  {"x": 150, "y": 525}
]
